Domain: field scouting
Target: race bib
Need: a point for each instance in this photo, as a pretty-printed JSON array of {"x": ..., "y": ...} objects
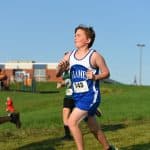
[
  {"x": 69, "y": 92},
  {"x": 80, "y": 87}
]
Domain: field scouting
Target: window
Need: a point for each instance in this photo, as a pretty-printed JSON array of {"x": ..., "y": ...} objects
[{"x": 40, "y": 74}]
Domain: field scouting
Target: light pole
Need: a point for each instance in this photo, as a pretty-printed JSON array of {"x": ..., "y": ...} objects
[{"x": 140, "y": 63}]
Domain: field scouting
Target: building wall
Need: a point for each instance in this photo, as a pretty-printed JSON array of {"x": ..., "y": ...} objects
[
  {"x": 19, "y": 65},
  {"x": 51, "y": 75},
  {"x": 28, "y": 68}
]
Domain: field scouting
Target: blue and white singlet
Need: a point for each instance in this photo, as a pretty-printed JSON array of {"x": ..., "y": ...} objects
[{"x": 86, "y": 92}]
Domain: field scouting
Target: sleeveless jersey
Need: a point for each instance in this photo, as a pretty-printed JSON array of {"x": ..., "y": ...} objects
[{"x": 85, "y": 90}]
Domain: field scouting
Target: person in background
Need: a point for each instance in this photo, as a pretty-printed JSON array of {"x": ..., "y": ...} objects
[
  {"x": 68, "y": 102},
  {"x": 4, "y": 80},
  {"x": 87, "y": 68}
]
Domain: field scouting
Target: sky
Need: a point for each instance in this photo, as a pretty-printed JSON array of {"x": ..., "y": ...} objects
[{"x": 42, "y": 30}]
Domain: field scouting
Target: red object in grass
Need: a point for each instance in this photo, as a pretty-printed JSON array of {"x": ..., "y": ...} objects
[{"x": 9, "y": 105}]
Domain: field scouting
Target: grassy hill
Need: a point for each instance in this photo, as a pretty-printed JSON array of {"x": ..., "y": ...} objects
[{"x": 125, "y": 120}]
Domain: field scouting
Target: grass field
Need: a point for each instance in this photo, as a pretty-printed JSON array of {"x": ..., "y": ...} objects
[{"x": 125, "y": 120}]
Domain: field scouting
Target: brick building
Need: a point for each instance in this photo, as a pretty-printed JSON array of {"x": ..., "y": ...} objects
[{"x": 17, "y": 70}]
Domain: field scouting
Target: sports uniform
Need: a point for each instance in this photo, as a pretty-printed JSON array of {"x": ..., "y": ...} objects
[
  {"x": 90, "y": 100},
  {"x": 68, "y": 99}
]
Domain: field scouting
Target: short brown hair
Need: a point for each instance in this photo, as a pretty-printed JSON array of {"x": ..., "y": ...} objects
[{"x": 89, "y": 31}]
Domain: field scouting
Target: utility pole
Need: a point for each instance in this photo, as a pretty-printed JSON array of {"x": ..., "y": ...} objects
[
  {"x": 135, "y": 81},
  {"x": 140, "y": 62}
]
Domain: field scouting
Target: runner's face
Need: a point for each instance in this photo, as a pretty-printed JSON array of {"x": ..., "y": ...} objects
[{"x": 81, "y": 39}]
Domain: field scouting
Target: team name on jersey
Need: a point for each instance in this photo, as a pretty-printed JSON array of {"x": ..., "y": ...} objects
[{"x": 79, "y": 74}]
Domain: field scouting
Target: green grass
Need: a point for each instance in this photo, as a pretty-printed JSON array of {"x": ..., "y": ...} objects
[{"x": 125, "y": 120}]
